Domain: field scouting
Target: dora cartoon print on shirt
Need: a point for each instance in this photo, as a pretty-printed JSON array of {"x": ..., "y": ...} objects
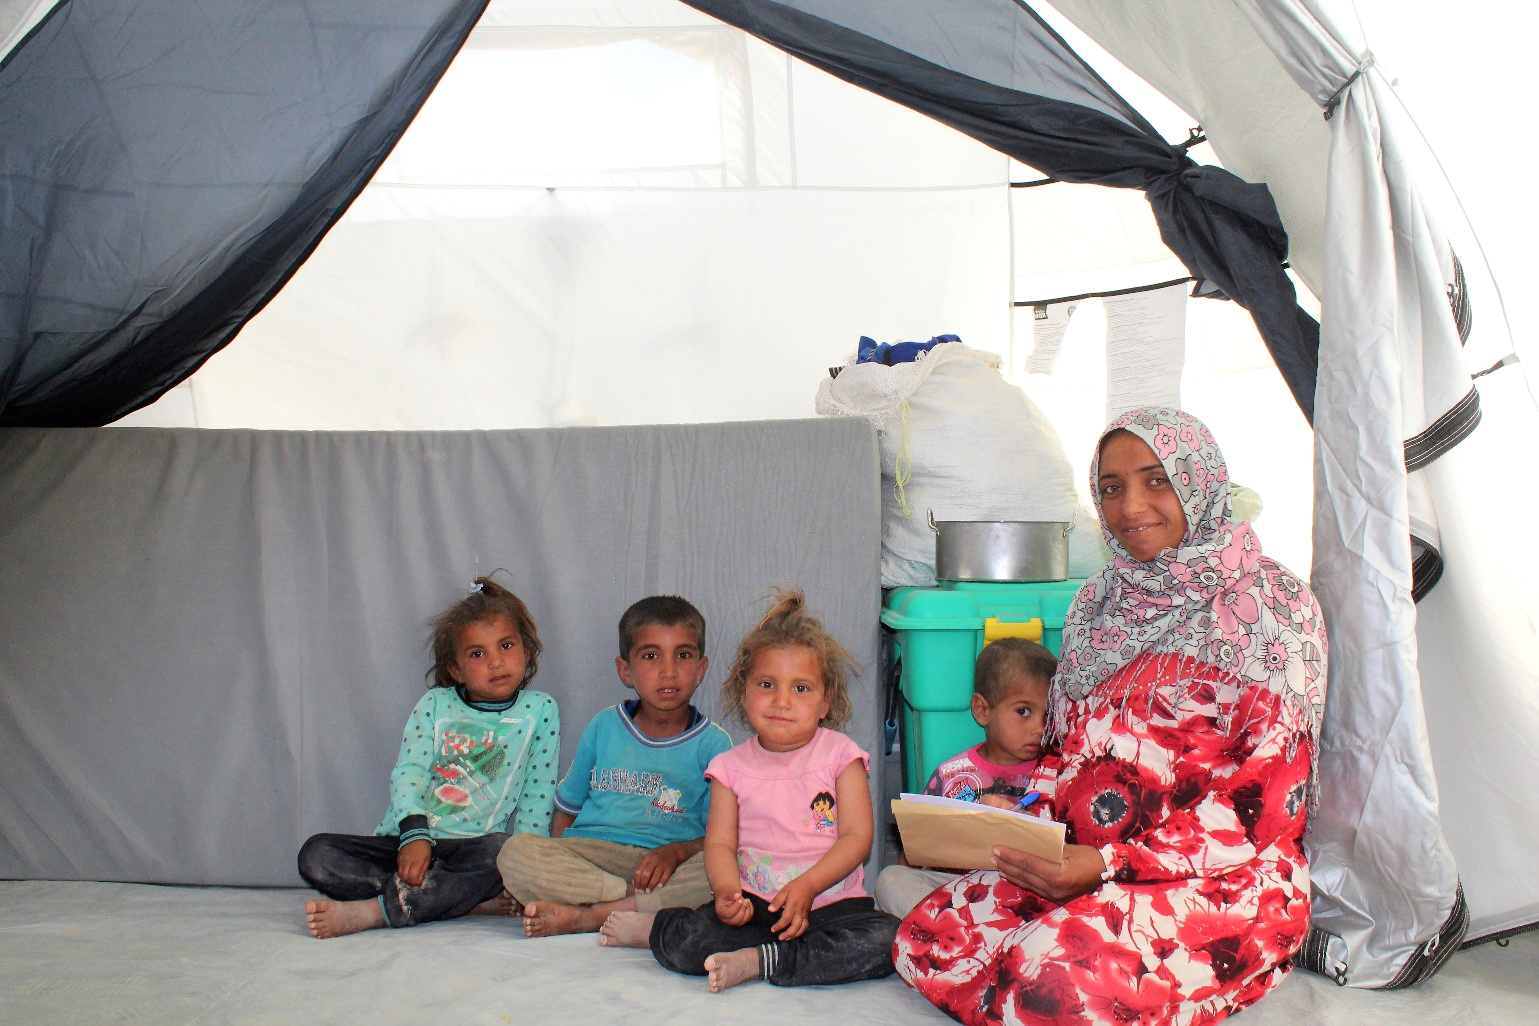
[{"x": 823, "y": 818}]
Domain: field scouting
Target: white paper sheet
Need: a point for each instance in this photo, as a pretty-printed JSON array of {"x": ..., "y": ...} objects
[
  {"x": 1145, "y": 349},
  {"x": 1050, "y": 322}
]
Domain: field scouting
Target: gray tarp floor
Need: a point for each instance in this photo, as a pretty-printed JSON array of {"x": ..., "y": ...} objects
[{"x": 102, "y": 952}]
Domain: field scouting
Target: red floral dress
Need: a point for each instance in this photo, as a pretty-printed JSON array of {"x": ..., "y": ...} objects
[{"x": 1194, "y": 792}]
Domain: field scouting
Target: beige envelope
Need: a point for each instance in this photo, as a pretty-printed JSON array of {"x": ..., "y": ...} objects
[{"x": 954, "y": 837}]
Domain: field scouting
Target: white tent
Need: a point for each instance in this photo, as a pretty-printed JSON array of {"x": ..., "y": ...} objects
[{"x": 627, "y": 212}]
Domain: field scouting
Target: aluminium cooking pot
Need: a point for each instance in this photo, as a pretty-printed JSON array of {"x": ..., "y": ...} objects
[{"x": 1001, "y": 550}]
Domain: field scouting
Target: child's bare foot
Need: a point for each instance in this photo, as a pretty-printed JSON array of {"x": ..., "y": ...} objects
[
  {"x": 548, "y": 919},
  {"x": 502, "y": 905},
  {"x": 325, "y": 918},
  {"x": 627, "y": 930},
  {"x": 729, "y": 968}
]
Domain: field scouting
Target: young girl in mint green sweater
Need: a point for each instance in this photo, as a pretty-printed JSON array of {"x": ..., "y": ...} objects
[{"x": 478, "y": 760}]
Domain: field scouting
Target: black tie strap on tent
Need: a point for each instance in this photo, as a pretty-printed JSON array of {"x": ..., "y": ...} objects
[
  {"x": 1009, "y": 81},
  {"x": 164, "y": 170}
]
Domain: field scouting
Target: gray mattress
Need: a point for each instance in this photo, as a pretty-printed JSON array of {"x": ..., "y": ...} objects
[{"x": 210, "y": 640}]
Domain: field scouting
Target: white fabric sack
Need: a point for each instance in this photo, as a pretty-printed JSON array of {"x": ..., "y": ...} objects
[{"x": 961, "y": 442}]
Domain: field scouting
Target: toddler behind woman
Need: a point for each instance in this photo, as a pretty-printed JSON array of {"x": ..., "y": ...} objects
[
  {"x": 478, "y": 757},
  {"x": 789, "y": 829}
]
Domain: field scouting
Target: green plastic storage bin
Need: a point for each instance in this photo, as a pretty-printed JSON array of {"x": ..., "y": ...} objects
[{"x": 939, "y": 633}]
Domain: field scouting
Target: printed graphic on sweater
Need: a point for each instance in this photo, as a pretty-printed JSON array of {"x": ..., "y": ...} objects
[
  {"x": 665, "y": 800},
  {"x": 468, "y": 760}
]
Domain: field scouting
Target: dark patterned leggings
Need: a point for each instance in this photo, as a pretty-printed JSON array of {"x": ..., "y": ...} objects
[
  {"x": 351, "y": 867},
  {"x": 845, "y": 941}
]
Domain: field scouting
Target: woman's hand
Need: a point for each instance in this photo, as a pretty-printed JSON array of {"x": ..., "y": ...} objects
[
  {"x": 1078, "y": 873},
  {"x": 733, "y": 909},
  {"x": 793, "y": 902},
  {"x": 411, "y": 862}
]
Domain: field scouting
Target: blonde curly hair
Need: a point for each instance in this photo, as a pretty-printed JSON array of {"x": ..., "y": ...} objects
[{"x": 787, "y": 624}]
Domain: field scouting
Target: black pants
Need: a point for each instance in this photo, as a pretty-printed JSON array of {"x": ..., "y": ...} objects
[
  {"x": 846, "y": 941},
  {"x": 350, "y": 867}
]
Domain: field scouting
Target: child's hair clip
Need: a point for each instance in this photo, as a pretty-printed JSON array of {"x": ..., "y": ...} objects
[{"x": 477, "y": 587}]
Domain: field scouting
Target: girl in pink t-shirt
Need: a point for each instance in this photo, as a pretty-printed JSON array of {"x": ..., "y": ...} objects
[{"x": 789, "y": 830}]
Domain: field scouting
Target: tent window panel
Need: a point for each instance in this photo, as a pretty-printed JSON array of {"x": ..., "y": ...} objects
[
  {"x": 844, "y": 137},
  {"x": 598, "y": 306},
  {"x": 581, "y": 107}
]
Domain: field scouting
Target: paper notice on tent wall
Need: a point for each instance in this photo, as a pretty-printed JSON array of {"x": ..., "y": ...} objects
[
  {"x": 1145, "y": 349},
  {"x": 1049, "y": 323}
]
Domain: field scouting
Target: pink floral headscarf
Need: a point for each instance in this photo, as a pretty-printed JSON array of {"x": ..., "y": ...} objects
[{"x": 1214, "y": 598}]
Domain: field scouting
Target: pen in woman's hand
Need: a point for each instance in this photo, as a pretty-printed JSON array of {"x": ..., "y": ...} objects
[{"x": 1026, "y": 799}]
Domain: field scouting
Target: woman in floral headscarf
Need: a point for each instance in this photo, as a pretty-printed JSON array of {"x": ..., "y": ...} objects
[{"x": 1187, "y": 709}]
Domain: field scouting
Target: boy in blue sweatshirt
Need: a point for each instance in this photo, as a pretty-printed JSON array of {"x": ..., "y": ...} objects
[{"x": 629, "y": 823}]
